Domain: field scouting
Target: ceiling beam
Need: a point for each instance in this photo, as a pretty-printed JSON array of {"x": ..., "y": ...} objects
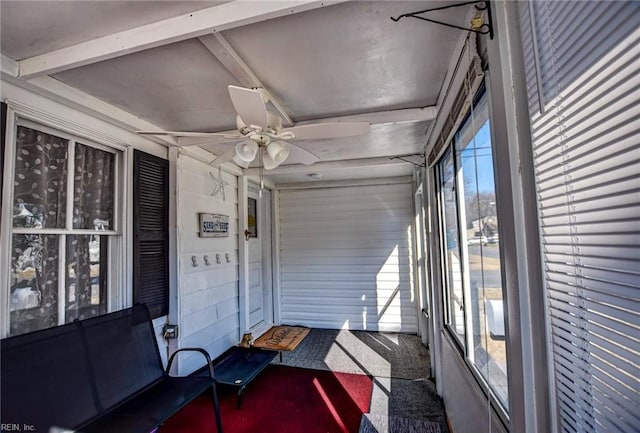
[
  {"x": 8, "y": 66},
  {"x": 407, "y": 115},
  {"x": 224, "y": 52},
  {"x": 395, "y": 180},
  {"x": 202, "y": 156},
  {"x": 180, "y": 28},
  {"x": 381, "y": 161}
]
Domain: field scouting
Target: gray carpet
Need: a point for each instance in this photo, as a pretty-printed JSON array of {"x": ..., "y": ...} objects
[
  {"x": 373, "y": 353},
  {"x": 393, "y": 424},
  {"x": 399, "y": 363}
]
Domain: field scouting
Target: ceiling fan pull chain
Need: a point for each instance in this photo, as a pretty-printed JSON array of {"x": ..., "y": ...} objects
[{"x": 261, "y": 174}]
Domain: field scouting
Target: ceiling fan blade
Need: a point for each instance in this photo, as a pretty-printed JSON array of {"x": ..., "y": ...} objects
[
  {"x": 226, "y": 156},
  {"x": 249, "y": 105},
  {"x": 303, "y": 156},
  {"x": 319, "y": 131},
  {"x": 205, "y": 141},
  {"x": 189, "y": 134}
]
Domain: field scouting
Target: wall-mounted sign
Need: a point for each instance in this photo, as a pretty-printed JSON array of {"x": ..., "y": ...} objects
[{"x": 214, "y": 226}]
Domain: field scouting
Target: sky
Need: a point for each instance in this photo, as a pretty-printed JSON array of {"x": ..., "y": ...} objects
[{"x": 481, "y": 149}]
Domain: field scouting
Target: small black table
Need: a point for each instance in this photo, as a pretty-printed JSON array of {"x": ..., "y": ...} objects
[{"x": 238, "y": 366}]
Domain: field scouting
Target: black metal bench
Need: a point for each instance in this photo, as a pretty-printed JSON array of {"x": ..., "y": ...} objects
[
  {"x": 238, "y": 366},
  {"x": 102, "y": 374}
]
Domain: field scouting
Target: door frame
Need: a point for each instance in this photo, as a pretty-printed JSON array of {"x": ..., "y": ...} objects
[
  {"x": 244, "y": 324},
  {"x": 264, "y": 211}
]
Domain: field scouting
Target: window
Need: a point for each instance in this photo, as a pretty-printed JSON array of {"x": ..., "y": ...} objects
[
  {"x": 452, "y": 264},
  {"x": 471, "y": 250},
  {"x": 62, "y": 228},
  {"x": 252, "y": 218}
]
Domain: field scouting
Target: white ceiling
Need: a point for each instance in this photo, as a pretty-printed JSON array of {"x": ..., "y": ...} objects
[
  {"x": 30, "y": 28},
  {"x": 318, "y": 60}
]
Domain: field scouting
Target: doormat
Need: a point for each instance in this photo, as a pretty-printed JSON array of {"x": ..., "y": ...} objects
[{"x": 282, "y": 337}]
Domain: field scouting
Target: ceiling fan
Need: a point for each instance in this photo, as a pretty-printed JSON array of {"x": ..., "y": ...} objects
[{"x": 260, "y": 133}]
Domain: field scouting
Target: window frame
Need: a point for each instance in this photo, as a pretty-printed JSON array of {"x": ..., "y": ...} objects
[
  {"x": 115, "y": 244},
  {"x": 4, "y": 113},
  {"x": 459, "y": 341},
  {"x": 465, "y": 348}
]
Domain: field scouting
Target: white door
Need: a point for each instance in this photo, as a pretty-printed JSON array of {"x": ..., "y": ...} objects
[{"x": 260, "y": 277}]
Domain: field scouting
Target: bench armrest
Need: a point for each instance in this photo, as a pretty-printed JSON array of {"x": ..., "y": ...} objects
[{"x": 192, "y": 349}]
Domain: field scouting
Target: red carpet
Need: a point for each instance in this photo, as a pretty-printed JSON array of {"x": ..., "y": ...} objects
[{"x": 283, "y": 400}]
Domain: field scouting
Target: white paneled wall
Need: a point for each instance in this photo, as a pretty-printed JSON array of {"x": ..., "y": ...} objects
[
  {"x": 345, "y": 258},
  {"x": 158, "y": 325},
  {"x": 208, "y": 293}
]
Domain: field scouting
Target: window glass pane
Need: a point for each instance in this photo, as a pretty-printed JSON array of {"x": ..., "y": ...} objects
[
  {"x": 478, "y": 197},
  {"x": 93, "y": 188},
  {"x": 252, "y": 218},
  {"x": 33, "y": 302},
  {"x": 453, "y": 272},
  {"x": 40, "y": 194},
  {"x": 86, "y": 276}
]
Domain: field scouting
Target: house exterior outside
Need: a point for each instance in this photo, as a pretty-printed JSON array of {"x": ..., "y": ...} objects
[{"x": 513, "y": 252}]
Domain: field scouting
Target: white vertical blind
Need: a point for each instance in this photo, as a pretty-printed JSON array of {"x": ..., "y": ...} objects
[
  {"x": 345, "y": 260},
  {"x": 583, "y": 80}
]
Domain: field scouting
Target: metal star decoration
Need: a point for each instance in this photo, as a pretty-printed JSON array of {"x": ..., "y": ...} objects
[{"x": 218, "y": 184}]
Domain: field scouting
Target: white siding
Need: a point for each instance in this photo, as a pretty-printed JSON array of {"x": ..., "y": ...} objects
[
  {"x": 345, "y": 258},
  {"x": 158, "y": 325},
  {"x": 208, "y": 294}
]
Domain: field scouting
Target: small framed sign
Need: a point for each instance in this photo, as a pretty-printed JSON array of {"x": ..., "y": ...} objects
[{"x": 214, "y": 226}]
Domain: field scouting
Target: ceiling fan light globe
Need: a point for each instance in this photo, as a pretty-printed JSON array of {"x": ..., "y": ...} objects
[
  {"x": 268, "y": 163},
  {"x": 246, "y": 150},
  {"x": 278, "y": 151},
  {"x": 239, "y": 162}
]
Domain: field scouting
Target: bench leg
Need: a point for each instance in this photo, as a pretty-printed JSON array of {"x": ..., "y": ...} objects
[
  {"x": 240, "y": 394},
  {"x": 216, "y": 408}
]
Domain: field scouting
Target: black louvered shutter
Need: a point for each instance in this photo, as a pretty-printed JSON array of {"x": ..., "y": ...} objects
[{"x": 151, "y": 232}]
